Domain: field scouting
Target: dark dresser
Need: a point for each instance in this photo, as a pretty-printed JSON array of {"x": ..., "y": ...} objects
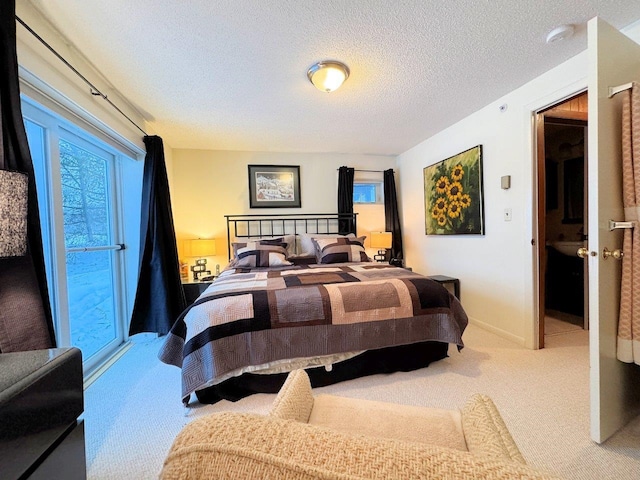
[
  {"x": 41, "y": 398},
  {"x": 192, "y": 290}
]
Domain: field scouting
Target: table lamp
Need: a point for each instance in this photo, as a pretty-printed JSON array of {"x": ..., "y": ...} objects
[
  {"x": 200, "y": 248},
  {"x": 381, "y": 241}
]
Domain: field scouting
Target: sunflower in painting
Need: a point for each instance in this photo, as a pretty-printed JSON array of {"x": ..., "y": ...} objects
[
  {"x": 464, "y": 201},
  {"x": 442, "y": 185},
  {"x": 456, "y": 173},
  {"x": 454, "y": 209},
  {"x": 440, "y": 208},
  {"x": 453, "y": 194}
]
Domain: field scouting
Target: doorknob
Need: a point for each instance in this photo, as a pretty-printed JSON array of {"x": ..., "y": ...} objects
[
  {"x": 617, "y": 253},
  {"x": 583, "y": 252}
]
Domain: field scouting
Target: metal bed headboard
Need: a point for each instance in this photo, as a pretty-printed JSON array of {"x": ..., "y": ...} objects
[{"x": 253, "y": 226}]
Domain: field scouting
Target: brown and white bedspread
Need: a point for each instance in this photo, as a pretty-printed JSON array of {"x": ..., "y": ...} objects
[{"x": 254, "y": 317}]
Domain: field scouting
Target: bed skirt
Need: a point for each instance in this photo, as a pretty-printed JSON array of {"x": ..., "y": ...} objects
[{"x": 403, "y": 358}]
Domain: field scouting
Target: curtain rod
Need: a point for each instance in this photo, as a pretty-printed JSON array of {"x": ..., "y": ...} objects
[
  {"x": 621, "y": 88},
  {"x": 370, "y": 171},
  {"x": 93, "y": 89}
]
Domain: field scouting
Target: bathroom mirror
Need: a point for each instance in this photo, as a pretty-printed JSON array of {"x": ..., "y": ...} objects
[
  {"x": 573, "y": 190},
  {"x": 551, "y": 184}
]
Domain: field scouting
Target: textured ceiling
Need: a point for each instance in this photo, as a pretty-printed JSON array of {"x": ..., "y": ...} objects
[{"x": 231, "y": 75}]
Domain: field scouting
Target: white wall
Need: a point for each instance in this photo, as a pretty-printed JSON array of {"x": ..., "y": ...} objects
[
  {"x": 209, "y": 184},
  {"x": 496, "y": 269}
]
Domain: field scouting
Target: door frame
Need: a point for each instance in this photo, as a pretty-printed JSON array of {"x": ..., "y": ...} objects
[
  {"x": 533, "y": 286},
  {"x": 540, "y": 195}
]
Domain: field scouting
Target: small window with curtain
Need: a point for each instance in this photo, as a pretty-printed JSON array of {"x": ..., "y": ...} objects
[{"x": 368, "y": 192}]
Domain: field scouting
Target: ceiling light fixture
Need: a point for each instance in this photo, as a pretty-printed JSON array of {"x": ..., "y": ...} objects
[
  {"x": 560, "y": 33},
  {"x": 328, "y": 75}
]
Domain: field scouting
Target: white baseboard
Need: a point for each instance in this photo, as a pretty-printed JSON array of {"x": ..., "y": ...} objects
[{"x": 498, "y": 331}]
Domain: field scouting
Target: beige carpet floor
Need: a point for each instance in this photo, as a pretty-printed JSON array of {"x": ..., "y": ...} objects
[
  {"x": 560, "y": 322},
  {"x": 553, "y": 326},
  {"x": 133, "y": 411}
]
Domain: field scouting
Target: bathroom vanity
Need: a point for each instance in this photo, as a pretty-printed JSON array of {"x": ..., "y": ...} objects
[{"x": 565, "y": 282}]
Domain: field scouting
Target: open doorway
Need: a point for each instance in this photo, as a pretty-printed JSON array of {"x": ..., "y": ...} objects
[{"x": 562, "y": 217}]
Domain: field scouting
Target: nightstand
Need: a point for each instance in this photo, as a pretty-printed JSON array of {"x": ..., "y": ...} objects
[
  {"x": 192, "y": 290},
  {"x": 444, "y": 280}
]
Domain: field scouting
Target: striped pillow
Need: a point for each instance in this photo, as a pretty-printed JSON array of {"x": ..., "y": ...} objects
[
  {"x": 258, "y": 254},
  {"x": 340, "y": 250},
  {"x": 279, "y": 241},
  {"x": 290, "y": 240}
]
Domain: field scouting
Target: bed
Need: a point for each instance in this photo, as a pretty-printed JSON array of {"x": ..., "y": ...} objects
[{"x": 330, "y": 311}]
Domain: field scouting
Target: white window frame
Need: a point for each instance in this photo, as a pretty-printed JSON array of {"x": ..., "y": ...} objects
[{"x": 57, "y": 126}]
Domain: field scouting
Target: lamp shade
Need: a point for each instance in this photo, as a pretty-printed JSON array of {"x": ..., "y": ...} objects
[
  {"x": 200, "y": 247},
  {"x": 13, "y": 214},
  {"x": 328, "y": 75},
  {"x": 381, "y": 239}
]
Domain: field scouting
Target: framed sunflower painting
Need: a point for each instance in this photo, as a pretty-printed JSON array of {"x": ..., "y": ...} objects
[{"x": 453, "y": 195}]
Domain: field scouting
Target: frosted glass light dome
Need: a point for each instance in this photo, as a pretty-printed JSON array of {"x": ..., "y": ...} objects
[{"x": 328, "y": 75}]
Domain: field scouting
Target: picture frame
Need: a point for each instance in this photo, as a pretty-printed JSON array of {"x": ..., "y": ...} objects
[
  {"x": 453, "y": 195},
  {"x": 274, "y": 186}
]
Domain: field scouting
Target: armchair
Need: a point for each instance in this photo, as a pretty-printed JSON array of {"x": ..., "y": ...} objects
[{"x": 328, "y": 437}]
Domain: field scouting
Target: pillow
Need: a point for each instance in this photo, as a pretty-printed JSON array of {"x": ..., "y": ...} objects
[
  {"x": 307, "y": 247},
  {"x": 318, "y": 250},
  {"x": 290, "y": 240},
  {"x": 279, "y": 241},
  {"x": 258, "y": 254},
  {"x": 341, "y": 249}
]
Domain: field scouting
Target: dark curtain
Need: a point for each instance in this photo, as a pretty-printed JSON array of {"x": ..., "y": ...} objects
[
  {"x": 391, "y": 216},
  {"x": 25, "y": 312},
  {"x": 159, "y": 296},
  {"x": 345, "y": 198}
]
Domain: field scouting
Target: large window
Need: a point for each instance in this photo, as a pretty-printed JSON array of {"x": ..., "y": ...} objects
[
  {"x": 368, "y": 192},
  {"x": 81, "y": 207},
  {"x": 90, "y": 247}
]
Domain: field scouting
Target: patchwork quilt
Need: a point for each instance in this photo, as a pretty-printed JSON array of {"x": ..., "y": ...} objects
[{"x": 252, "y": 317}]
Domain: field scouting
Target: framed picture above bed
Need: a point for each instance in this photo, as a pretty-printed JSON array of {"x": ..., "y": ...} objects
[
  {"x": 453, "y": 195},
  {"x": 274, "y": 186}
]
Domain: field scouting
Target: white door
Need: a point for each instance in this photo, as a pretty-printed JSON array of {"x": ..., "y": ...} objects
[{"x": 614, "y": 59}]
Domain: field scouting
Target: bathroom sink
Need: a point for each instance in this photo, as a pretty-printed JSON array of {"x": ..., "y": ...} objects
[{"x": 567, "y": 247}]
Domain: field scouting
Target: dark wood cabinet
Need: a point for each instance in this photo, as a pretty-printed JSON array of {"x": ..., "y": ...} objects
[
  {"x": 445, "y": 280},
  {"x": 67, "y": 460},
  {"x": 41, "y": 399},
  {"x": 564, "y": 283},
  {"x": 192, "y": 290}
]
